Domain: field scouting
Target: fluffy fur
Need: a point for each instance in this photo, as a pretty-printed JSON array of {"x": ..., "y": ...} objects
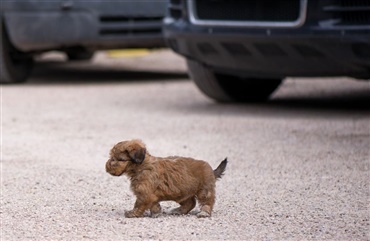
[{"x": 155, "y": 179}]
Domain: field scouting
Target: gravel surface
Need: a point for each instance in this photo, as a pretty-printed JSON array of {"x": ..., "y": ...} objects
[{"x": 298, "y": 165}]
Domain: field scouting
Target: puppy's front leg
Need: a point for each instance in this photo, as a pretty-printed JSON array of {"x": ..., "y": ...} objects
[
  {"x": 155, "y": 210},
  {"x": 138, "y": 211},
  {"x": 139, "y": 208}
]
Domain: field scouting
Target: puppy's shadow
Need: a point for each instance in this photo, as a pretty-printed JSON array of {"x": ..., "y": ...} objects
[
  {"x": 168, "y": 213},
  {"x": 164, "y": 214}
]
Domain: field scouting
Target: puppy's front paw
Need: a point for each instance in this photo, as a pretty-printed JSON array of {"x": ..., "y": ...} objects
[
  {"x": 203, "y": 214},
  {"x": 130, "y": 214}
]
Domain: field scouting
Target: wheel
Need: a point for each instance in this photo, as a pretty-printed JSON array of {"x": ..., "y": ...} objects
[
  {"x": 228, "y": 88},
  {"x": 15, "y": 66},
  {"x": 79, "y": 54}
]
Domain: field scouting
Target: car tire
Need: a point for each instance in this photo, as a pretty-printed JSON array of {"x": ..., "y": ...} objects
[
  {"x": 79, "y": 54},
  {"x": 15, "y": 66},
  {"x": 230, "y": 88}
]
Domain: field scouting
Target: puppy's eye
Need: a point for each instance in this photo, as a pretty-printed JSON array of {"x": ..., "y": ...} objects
[
  {"x": 119, "y": 159},
  {"x": 122, "y": 158}
]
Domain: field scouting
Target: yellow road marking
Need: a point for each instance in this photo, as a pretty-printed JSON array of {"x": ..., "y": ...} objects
[{"x": 127, "y": 53}]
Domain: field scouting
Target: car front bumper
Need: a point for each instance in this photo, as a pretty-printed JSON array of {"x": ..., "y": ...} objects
[{"x": 308, "y": 50}]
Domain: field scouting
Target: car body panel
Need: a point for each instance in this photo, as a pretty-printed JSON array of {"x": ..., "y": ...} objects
[{"x": 37, "y": 26}]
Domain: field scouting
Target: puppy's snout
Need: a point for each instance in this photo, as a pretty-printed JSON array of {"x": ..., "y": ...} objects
[
  {"x": 113, "y": 168},
  {"x": 109, "y": 167}
]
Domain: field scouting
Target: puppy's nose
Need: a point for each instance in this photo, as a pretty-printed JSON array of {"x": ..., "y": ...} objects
[{"x": 107, "y": 166}]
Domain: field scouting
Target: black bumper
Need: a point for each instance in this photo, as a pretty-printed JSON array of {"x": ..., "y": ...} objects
[{"x": 308, "y": 50}]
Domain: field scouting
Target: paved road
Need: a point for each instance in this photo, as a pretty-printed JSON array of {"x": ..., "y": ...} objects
[{"x": 298, "y": 165}]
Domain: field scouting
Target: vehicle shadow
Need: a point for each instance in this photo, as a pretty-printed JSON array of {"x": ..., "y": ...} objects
[
  {"x": 358, "y": 101},
  {"x": 295, "y": 99},
  {"x": 55, "y": 73},
  {"x": 339, "y": 102}
]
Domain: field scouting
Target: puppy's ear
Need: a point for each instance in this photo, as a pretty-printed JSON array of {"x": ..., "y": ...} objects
[
  {"x": 137, "y": 152},
  {"x": 138, "y": 156}
]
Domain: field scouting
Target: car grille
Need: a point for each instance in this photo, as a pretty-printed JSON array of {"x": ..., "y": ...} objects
[
  {"x": 119, "y": 25},
  {"x": 250, "y": 10},
  {"x": 277, "y": 13},
  {"x": 347, "y": 13}
]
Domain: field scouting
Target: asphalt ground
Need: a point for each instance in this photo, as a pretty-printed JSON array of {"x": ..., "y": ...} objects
[{"x": 298, "y": 164}]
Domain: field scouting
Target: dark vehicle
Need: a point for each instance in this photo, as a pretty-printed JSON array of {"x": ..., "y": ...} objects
[
  {"x": 240, "y": 50},
  {"x": 76, "y": 27}
]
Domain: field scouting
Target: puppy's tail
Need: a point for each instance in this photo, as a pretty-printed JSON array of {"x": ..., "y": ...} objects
[{"x": 219, "y": 171}]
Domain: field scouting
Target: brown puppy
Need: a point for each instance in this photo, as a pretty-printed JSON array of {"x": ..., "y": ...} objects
[{"x": 155, "y": 179}]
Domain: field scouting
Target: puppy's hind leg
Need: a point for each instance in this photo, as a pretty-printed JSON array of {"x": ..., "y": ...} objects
[
  {"x": 186, "y": 207},
  {"x": 206, "y": 200}
]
